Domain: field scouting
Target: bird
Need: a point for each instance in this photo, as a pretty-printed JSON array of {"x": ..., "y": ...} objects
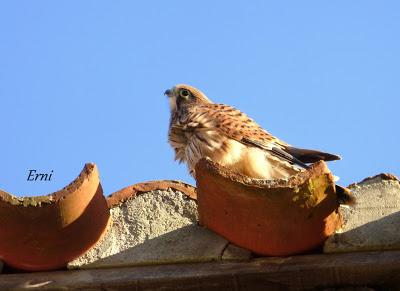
[{"x": 200, "y": 128}]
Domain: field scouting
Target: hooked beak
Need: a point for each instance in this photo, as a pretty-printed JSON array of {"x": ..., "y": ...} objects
[{"x": 168, "y": 92}]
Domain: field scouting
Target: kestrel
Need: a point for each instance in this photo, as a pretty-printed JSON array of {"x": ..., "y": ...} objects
[{"x": 200, "y": 128}]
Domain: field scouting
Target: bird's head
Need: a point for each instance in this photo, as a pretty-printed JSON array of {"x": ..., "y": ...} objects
[{"x": 183, "y": 95}]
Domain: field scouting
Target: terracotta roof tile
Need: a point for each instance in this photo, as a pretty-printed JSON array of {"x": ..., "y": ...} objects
[
  {"x": 280, "y": 217},
  {"x": 133, "y": 190},
  {"x": 46, "y": 232}
]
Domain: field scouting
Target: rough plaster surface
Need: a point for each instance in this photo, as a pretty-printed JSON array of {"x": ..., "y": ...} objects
[
  {"x": 374, "y": 222},
  {"x": 155, "y": 227}
]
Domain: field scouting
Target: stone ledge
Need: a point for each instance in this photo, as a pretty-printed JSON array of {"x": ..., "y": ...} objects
[{"x": 380, "y": 270}]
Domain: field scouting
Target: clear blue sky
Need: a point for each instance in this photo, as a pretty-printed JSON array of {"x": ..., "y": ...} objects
[{"x": 83, "y": 81}]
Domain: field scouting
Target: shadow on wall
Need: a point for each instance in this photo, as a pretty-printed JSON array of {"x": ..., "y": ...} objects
[
  {"x": 194, "y": 243},
  {"x": 381, "y": 234},
  {"x": 191, "y": 243}
]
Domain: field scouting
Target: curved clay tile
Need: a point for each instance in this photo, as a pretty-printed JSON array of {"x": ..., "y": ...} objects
[
  {"x": 46, "y": 232},
  {"x": 278, "y": 217},
  {"x": 131, "y": 191},
  {"x": 382, "y": 176}
]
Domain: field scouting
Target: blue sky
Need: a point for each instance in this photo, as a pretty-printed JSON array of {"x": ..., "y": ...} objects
[{"x": 83, "y": 81}]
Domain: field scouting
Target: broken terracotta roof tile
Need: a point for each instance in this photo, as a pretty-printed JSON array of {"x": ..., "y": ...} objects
[
  {"x": 382, "y": 176},
  {"x": 278, "y": 217},
  {"x": 131, "y": 191},
  {"x": 46, "y": 232}
]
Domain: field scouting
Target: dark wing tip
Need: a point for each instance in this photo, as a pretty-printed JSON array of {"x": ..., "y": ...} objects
[
  {"x": 332, "y": 157},
  {"x": 311, "y": 156}
]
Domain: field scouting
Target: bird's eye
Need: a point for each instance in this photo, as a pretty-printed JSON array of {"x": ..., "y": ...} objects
[{"x": 184, "y": 93}]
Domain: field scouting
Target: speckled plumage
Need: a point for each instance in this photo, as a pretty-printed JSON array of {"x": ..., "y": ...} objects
[{"x": 200, "y": 128}]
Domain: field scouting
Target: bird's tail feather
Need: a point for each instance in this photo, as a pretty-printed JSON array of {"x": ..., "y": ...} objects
[{"x": 345, "y": 196}]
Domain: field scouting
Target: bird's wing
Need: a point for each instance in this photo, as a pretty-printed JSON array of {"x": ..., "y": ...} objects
[{"x": 238, "y": 126}]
